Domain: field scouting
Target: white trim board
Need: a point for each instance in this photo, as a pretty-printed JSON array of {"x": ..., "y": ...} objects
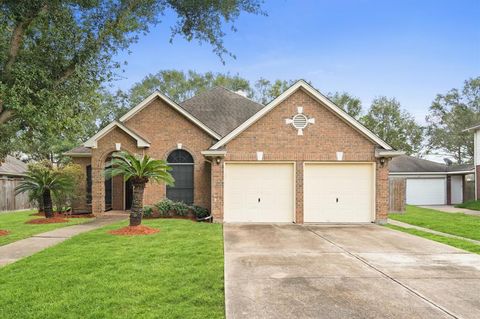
[
  {"x": 92, "y": 142},
  {"x": 170, "y": 102},
  {"x": 316, "y": 95}
]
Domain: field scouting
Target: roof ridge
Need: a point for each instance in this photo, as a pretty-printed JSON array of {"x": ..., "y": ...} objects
[{"x": 245, "y": 97}]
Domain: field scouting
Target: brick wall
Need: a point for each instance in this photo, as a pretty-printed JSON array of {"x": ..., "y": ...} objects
[
  {"x": 164, "y": 128},
  {"x": 320, "y": 142},
  {"x": 80, "y": 203}
]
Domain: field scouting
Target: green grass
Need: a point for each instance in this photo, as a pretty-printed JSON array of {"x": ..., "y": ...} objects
[
  {"x": 471, "y": 204},
  {"x": 458, "y": 243},
  {"x": 14, "y": 222},
  {"x": 459, "y": 224},
  {"x": 176, "y": 273}
]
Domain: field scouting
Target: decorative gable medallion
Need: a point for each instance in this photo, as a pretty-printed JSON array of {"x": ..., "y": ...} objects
[{"x": 300, "y": 121}]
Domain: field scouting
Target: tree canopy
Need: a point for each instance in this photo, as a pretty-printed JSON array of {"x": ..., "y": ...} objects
[
  {"x": 347, "y": 102},
  {"x": 394, "y": 125},
  {"x": 56, "y": 54},
  {"x": 450, "y": 114}
]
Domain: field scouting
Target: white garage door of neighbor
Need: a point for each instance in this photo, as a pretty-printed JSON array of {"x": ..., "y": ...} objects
[
  {"x": 338, "y": 193},
  {"x": 259, "y": 192},
  {"x": 426, "y": 191}
]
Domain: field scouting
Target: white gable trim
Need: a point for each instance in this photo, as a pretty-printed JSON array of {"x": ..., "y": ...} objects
[
  {"x": 92, "y": 142},
  {"x": 170, "y": 102},
  {"x": 315, "y": 94}
]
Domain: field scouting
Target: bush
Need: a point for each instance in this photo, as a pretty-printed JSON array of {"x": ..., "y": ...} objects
[
  {"x": 147, "y": 211},
  {"x": 200, "y": 212},
  {"x": 169, "y": 208},
  {"x": 181, "y": 209},
  {"x": 165, "y": 207}
]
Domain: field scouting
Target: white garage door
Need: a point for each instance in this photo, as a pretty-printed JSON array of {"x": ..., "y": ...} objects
[
  {"x": 259, "y": 192},
  {"x": 426, "y": 191},
  {"x": 341, "y": 193}
]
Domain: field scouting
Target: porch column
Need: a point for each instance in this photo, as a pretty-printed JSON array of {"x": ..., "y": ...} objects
[
  {"x": 98, "y": 189},
  {"x": 382, "y": 192},
  {"x": 217, "y": 190}
]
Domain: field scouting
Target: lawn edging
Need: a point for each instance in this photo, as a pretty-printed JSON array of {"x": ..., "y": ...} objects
[{"x": 451, "y": 241}]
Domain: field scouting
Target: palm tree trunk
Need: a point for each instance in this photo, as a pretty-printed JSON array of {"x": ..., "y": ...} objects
[
  {"x": 47, "y": 203},
  {"x": 136, "y": 212}
]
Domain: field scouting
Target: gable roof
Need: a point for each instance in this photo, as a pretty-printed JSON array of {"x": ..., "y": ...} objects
[
  {"x": 220, "y": 109},
  {"x": 92, "y": 142},
  {"x": 409, "y": 164},
  {"x": 173, "y": 104},
  {"x": 301, "y": 84},
  {"x": 13, "y": 167}
]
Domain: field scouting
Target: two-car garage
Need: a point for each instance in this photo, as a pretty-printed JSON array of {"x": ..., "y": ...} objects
[{"x": 267, "y": 192}]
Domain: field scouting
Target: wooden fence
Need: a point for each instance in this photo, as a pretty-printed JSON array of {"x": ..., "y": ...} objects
[
  {"x": 398, "y": 187},
  {"x": 8, "y": 200}
]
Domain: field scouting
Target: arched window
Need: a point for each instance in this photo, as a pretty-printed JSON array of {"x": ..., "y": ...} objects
[{"x": 182, "y": 170}]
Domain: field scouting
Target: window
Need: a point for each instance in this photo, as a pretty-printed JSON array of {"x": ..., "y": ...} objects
[
  {"x": 182, "y": 170},
  {"x": 89, "y": 184}
]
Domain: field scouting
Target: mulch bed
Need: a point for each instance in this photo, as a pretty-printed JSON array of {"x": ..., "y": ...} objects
[
  {"x": 4, "y": 232},
  {"x": 171, "y": 217},
  {"x": 66, "y": 216},
  {"x": 53, "y": 220},
  {"x": 134, "y": 231}
]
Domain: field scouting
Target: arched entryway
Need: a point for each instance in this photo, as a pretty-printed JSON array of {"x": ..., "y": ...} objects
[
  {"x": 182, "y": 165},
  {"x": 118, "y": 193}
]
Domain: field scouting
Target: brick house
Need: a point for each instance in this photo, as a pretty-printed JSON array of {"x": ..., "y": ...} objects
[{"x": 299, "y": 158}]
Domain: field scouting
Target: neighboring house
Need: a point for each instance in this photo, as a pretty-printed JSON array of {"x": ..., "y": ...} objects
[
  {"x": 476, "y": 157},
  {"x": 432, "y": 183},
  {"x": 12, "y": 172},
  {"x": 299, "y": 158}
]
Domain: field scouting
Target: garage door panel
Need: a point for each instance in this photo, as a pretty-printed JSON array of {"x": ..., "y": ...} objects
[
  {"x": 259, "y": 192},
  {"x": 426, "y": 191},
  {"x": 338, "y": 193}
]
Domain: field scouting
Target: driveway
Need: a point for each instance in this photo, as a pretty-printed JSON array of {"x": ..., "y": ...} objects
[{"x": 292, "y": 271}]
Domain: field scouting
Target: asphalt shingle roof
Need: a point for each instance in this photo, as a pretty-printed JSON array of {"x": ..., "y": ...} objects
[
  {"x": 79, "y": 150},
  {"x": 221, "y": 109},
  {"x": 409, "y": 164},
  {"x": 12, "y": 166}
]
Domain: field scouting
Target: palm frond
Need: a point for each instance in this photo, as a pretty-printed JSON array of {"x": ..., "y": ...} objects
[{"x": 132, "y": 166}]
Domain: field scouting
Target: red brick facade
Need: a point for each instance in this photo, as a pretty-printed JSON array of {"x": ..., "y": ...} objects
[
  {"x": 164, "y": 128},
  {"x": 320, "y": 142}
]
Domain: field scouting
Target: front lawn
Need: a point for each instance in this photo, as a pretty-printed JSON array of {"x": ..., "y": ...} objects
[
  {"x": 176, "y": 273},
  {"x": 458, "y": 243},
  {"x": 472, "y": 204},
  {"x": 14, "y": 222},
  {"x": 456, "y": 224}
]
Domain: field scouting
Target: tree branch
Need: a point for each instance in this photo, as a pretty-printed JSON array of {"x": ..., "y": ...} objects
[
  {"x": 98, "y": 42},
  {"x": 5, "y": 116},
  {"x": 16, "y": 40}
]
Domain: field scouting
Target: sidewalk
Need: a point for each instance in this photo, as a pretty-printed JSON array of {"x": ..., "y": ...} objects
[
  {"x": 453, "y": 209},
  {"x": 20, "y": 249},
  {"x": 431, "y": 231}
]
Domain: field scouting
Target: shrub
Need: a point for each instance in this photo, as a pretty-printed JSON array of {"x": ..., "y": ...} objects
[
  {"x": 147, "y": 211},
  {"x": 165, "y": 207},
  {"x": 200, "y": 212},
  {"x": 181, "y": 209}
]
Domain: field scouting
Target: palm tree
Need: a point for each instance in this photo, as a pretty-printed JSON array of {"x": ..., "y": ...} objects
[
  {"x": 139, "y": 170},
  {"x": 41, "y": 182}
]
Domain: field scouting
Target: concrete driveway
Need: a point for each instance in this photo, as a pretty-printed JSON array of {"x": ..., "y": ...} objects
[{"x": 291, "y": 271}]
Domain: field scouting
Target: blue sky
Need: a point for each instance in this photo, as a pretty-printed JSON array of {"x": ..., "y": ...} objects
[{"x": 406, "y": 49}]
